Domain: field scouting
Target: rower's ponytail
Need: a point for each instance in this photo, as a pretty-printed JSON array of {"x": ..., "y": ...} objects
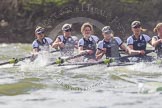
[{"x": 144, "y": 30}]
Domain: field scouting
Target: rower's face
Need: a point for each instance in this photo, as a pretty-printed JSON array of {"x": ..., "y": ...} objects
[
  {"x": 87, "y": 32},
  {"x": 39, "y": 35},
  {"x": 67, "y": 33},
  {"x": 136, "y": 31},
  {"x": 107, "y": 36}
]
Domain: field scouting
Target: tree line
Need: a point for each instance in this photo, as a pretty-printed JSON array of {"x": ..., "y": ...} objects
[{"x": 22, "y": 16}]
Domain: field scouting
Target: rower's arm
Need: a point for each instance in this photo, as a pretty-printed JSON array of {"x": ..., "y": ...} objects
[
  {"x": 122, "y": 46},
  {"x": 35, "y": 50},
  {"x": 134, "y": 52},
  {"x": 99, "y": 54},
  {"x": 81, "y": 51},
  {"x": 156, "y": 42},
  {"x": 56, "y": 43}
]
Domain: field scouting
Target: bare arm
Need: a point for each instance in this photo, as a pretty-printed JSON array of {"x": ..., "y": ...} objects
[
  {"x": 156, "y": 42},
  {"x": 135, "y": 52},
  {"x": 35, "y": 50},
  {"x": 80, "y": 49},
  {"x": 122, "y": 46},
  {"x": 99, "y": 54},
  {"x": 57, "y": 43}
]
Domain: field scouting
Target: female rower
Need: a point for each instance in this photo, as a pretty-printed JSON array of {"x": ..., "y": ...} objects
[
  {"x": 157, "y": 40},
  {"x": 137, "y": 43},
  {"x": 66, "y": 43},
  {"x": 87, "y": 44},
  {"x": 109, "y": 46},
  {"x": 41, "y": 43}
]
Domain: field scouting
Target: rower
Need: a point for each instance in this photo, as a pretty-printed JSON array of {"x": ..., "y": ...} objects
[
  {"x": 157, "y": 40},
  {"x": 66, "y": 42},
  {"x": 41, "y": 43},
  {"x": 109, "y": 46},
  {"x": 87, "y": 44},
  {"x": 137, "y": 43}
]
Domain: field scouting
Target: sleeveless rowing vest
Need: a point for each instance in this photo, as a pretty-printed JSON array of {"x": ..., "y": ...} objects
[
  {"x": 43, "y": 46},
  {"x": 139, "y": 44},
  {"x": 90, "y": 45},
  {"x": 158, "y": 49},
  {"x": 68, "y": 49},
  {"x": 112, "y": 48}
]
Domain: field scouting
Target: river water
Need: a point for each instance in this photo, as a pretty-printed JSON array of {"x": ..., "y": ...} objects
[{"x": 33, "y": 85}]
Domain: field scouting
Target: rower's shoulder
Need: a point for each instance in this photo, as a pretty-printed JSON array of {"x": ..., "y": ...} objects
[
  {"x": 130, "y": 38},
  {"x": 117, "y": 38},
  {"x": 94, "y": 37},
  {"x": 75, "y": 38},
  {"x": 155, "y": 37},
  {"x": 48, "y": 39},
  {"x": 35, "y": 41},
  {"x": 60, "y": 36},
  {"x": 145, "y": 35}
]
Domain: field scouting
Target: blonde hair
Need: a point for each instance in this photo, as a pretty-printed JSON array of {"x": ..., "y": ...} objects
[
  {"x": 87, "y": 24},
  {"x": 157, "y": 27},
  {"x": 144, "y": 30}
]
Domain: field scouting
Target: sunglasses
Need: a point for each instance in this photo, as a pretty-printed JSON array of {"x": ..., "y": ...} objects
[
  {"x": 68, "y": 30},
  {"x": 137, "y": 26},
  {"x": 40, "y": 33}
]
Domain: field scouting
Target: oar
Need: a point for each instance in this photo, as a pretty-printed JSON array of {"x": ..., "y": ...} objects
[
  {"x": 87, "y": 64},
  {"x": 106, "y": 61},
  {"x": 146, "y": 52},
  {"x": 57, "y": 50},
  {"x": 15, "y": 60},
  {"x": 60, "y": 60}
]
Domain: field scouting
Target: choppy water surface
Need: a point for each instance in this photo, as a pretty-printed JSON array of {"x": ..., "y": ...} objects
[{"x": 35, "y": 86}]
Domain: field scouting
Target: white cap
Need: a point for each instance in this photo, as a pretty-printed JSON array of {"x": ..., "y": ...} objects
[
  {"x": 39, "y": 29},
  {"x": 107, "y": 30},
  {"x": 136, "y": 24},
  {"x": 66, "y": 27}
]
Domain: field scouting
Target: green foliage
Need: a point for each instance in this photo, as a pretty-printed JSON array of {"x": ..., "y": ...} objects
[
  {"x": 24, "y": 15},
  {"x": 57, "y": 2},
  {"x": 130, "y": 1}
]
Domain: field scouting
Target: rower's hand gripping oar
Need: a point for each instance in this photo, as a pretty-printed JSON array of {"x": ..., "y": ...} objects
[
  {"x": 146, "y": 52},
  {"x": 60, "y": 60}
]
